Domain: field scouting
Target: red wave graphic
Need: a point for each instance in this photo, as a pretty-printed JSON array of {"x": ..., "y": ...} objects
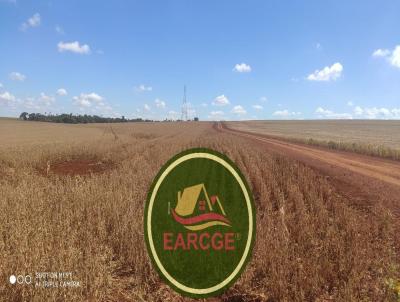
[{"x": 199, "y": 218}]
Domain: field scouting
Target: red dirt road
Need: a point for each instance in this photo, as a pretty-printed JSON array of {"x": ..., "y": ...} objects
[{"x": 364, "y": 180}]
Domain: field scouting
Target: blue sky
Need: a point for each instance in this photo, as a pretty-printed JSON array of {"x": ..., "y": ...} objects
[{"x": 239, "y": 59}]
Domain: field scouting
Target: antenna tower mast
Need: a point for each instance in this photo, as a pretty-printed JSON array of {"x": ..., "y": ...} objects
[{"x": 184, "y": 106}]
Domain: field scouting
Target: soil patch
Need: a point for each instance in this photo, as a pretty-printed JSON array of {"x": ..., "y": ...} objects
[{"x": 77, "y": 167}]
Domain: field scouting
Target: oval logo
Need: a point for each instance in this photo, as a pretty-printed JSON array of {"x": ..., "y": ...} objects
[{"x": 199, "y": 223}]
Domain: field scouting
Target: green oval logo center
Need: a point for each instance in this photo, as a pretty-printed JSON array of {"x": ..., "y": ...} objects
[{"x": 199, "y": 222}]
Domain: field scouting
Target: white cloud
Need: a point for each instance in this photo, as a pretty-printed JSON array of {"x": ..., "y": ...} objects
[
  {"x": 33, "y": 21},
  {"x": 239, "y": 110},
  {"x": 105, "y": 110},
  {"x": 381, "y": 52},
  {"x": 377, "y": 113},
  {"x": 327, "y": 74},
  {"x": 94, "y": 104},
  {"x": 358, "y": 110},
  {"x": 29, "y": 103},
  {"x": 173, "y": 115},
  {"x": 282, "y": 113},
  {"x": 146, "y": 107},
  {"x": 216, "y": 114},
  {"x": 318, "y": 46},
  {"x": 61, "y": 92},
  {"x": 59, "y": 30},
  {"x": 263, "y": 99},
  {"x": 46, "y": 100},
  {"x": 10, "y": 100},
  {"x": 74, "y": 47},
  {"x": 1, "y": 85},
  {"x": 204, "y": 105},
  {"x": 396, "y": 112},
  {"x": 7, "y": 98},
  {"x": 286, "y": 113},
  {"x": 40, "y": 103},
  {"x": 393, "y": 57},
  {"x": 16, "y": 76},
  {"x": 328, "y": 114},
  {"x": 221, "y": 100},
  {"x": 142, "y": 88},
  {"x": 350, "y": 103},
  {"x": 160, "y": 104},
  {"x": 192, "y": 112},
  {"x": 258, "y": 107},
  {"x": 88, "y": 99},
  {"x": 243, "y": 67}
]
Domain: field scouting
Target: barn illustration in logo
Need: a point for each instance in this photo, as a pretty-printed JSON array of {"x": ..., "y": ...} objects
[{"x": 195, "y": 210}]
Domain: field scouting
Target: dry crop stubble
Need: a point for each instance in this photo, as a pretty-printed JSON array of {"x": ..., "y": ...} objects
[
  {"x": 371, "y": 137},
  {"x": 311, "y": 244}
]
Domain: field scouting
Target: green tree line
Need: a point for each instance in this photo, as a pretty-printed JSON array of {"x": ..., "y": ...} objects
[{"x": 76, "y": 119}]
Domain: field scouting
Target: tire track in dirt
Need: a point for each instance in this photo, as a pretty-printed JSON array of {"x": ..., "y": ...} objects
[{"x": 363, "y": 179}]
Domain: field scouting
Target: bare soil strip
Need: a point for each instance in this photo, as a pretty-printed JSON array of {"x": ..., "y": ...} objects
[
  {"x": 76, "y": 167},
  {"x": 364, "y": 179}
]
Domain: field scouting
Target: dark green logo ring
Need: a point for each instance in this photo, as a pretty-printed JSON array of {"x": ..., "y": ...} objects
[{"x": 199, "y": 222}]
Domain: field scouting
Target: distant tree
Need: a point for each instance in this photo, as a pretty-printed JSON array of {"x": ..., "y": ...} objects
[
  {"x": 23, "y": 116},
  {"x": 76, "y": 119}
]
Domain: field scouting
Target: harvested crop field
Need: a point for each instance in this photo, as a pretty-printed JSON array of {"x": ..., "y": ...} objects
[
  {"x": 371, "y": 137},
  {"x": 376, "y": 132},
  {"x": 313, "y": 243}
]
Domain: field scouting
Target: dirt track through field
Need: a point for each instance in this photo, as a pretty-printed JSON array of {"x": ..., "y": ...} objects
[{"x": 363, "y": 179}]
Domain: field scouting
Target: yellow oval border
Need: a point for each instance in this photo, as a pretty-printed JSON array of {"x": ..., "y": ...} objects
[{"x": 200, "y": 291}]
